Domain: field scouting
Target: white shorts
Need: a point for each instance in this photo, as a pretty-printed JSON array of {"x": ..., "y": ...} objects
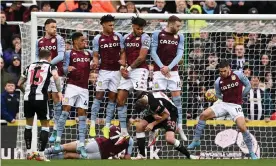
[
  {"x": 160, "y": 82},
  {"x": 223, "y": 108},
  {"x": 138, "y": 79},
  {"x": 52, "y": 86},
  {"x": 108, "y": 80},
  {"x": 92, "y": 149},
  {"x": 76, "y": 96}
]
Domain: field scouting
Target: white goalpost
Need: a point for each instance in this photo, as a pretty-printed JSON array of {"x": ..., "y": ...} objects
[{"x": 245, "y": 39}]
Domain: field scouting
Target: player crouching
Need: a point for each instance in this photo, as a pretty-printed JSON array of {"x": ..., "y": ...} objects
[
  {"x": 159, "y": 112},
  {"x": 98, "y": 148}
]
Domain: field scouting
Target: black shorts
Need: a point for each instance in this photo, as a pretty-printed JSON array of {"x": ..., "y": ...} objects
[
  {"x": 40, "y": 107},
  {"x": 168, "y": 124}
]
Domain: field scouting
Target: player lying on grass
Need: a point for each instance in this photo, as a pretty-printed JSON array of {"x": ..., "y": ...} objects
[
  {"x": 98, "y": 148},
  {"x": 229, "y": 88},
  {"x": 159, "y": 112}
]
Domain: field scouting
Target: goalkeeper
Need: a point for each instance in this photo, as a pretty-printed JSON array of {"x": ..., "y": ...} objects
[{"x": 98, "y": 148}]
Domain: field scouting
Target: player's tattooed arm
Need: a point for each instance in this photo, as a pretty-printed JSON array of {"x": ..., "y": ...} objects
[
  {"x": 143, "y": 51},
  {"x": 122, "y": 60},
  {"x": 21, "y": 82}
]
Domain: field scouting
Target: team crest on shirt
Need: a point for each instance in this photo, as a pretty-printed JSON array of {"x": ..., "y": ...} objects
[
  {"x": 86, "y": 53},
  {"x": 156, "y": 85},
  {"x": 41, "y": 41},
  {"x": 115, "y": 37},
  {"x": 53, "y": 40},
  {"x": 175, "y": 36},
  {"x": 66, "y": 100},
  {"x": 137, "y": 38},
  {"x": 100, "y": 83},
  {"x": 233, "y": 77}
]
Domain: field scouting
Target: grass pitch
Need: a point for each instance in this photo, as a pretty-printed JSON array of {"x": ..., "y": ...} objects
[{"x": 263, "y": 162}]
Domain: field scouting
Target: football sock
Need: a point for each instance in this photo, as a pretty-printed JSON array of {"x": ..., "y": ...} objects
[
  {"x": 94, "y": 111},
  {"x": 141, "y": 143},
  {"x": 82, "y": 129},
  {"x": 248, "y": 141},
  {"x": 28, "y": 136},
  {"x": 178, "y": 146},
  {"x": 43, "y": 138},
  {"x": 57, "y": 113},
  {"x": 61, "y": 123},
  {"x": 56, "y": 156},
  {"x": 122, "y": 114},
  {"x": 109, "y": 113},
  {"x": 199, "y": 128},
  {"x": 177, "y": 101}
]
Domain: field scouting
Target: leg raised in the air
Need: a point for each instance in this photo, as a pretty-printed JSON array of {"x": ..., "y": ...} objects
[
  {"x": 170, "y": 138},
  {"x": 205, "y": 115},
  {"x": 240, "y": 121},
  {"x": 94, "y": 112}
]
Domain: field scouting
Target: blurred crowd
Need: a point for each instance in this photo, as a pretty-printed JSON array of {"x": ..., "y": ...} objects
[{"x": 252, "y": 53}]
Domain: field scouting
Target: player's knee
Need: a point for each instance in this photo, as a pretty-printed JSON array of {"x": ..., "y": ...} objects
[
  {"x": 120, "y": 102},
  {"x": 112, "y": 96},
  {"x": 170, "y": 139},
  {"x": 67, "y": 108},
  {"x": 205, "y": 115},
  {"x": 44, "y": 123},
  {"x": 99, "y": 95},
  {"x": 81, "y": 112}
]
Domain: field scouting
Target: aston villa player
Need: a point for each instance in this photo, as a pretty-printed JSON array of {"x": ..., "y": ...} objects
[
  {"x": 167, "y": 49},
  {"x": 56, "y": 45},
  {"x": 77, "y": 67},
  {"x": 229, "y": 88}
]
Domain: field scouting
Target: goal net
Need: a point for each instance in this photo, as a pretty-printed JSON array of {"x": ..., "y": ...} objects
[{"x": 249, "y": 45}]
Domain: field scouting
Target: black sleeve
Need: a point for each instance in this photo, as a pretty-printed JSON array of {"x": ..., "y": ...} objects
[
  {"x": 53, "y": 67},
  {"x": 155, "y": 105}
]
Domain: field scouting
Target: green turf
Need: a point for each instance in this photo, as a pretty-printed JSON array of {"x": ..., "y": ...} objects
[{"x": 176, "y": 162}]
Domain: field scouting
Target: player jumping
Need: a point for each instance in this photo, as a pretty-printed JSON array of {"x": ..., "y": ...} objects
[
  {"x": 98, "y": 148},
  {"x": 54, "y": 43},
  {"x": 137, "y": 44},
  {"x": 229, "y": 88},
  {"x": 77, "y": 67},
  {"x": 37, "y": 77},
  {"x": 167, "y": 50},
  {"x": 159, "y": 112},
  {"x": 108, "y": 46}
]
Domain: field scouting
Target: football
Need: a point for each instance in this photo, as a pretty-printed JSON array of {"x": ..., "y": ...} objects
[{"x": 210, "y": 95}]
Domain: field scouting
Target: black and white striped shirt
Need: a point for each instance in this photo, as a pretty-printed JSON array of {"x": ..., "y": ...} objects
[{"x": 37, "y": 76}]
